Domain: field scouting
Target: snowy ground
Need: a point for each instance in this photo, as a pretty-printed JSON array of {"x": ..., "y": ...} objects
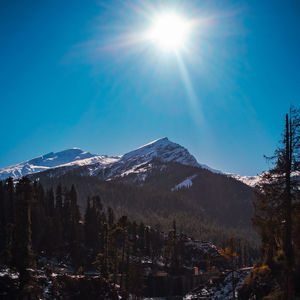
[{"x": 220, "y": 289}]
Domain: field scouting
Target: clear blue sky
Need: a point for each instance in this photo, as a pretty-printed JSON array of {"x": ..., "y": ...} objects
[{"x": 74, "y": 75}]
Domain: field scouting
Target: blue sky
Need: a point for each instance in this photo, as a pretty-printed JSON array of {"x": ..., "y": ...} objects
[{"x": 74, "y": 75}]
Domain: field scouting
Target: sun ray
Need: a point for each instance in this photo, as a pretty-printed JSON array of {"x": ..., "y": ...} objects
[{"x": 193, "y": 101}]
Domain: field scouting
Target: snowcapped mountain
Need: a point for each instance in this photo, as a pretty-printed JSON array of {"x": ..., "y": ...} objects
[
  {"x": 163, "y": 149},
  {"x": 136, "y": 162},
  {"x": 71, "y": 157},
  {"x": 112, "y": 166}
]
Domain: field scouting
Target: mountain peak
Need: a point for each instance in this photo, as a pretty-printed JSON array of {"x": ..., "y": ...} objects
[
  {"x": 155, "y": 142},
  {"x": 165, "y": 150}
]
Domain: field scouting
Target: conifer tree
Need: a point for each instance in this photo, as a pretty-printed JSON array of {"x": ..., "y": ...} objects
[
  {"x": 50, "y": 203},
  {"x": 38, "y": 217},
  {"x": 10, "y": 200},
  {"x": 75, "y": 229},
  {"x": 59, "y": 199},
  {"x": 22, "y": 253},
  {"x": 277, "y": 199},
  {"x": 110, "y": 216},
  {"x": 2, "y": 220},
  {"x": 58, "y": 228},
  {"x": 88, "y": 239}
]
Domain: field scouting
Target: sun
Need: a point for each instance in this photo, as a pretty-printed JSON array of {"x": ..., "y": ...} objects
[{"x": 169, "y": 31}]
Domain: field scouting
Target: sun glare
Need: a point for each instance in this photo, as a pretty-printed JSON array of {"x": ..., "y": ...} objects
[{"x": 169, "y": 32}]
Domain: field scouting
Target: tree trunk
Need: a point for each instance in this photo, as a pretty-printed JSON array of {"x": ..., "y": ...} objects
[{"x": 288, "y": 219}]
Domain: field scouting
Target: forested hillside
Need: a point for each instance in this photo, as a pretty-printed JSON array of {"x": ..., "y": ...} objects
[
  {"x": 43, "y": 230},
  {"x": 214, "y": 208}
]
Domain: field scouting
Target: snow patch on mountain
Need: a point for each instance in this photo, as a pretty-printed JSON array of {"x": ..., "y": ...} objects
[
  {"x": 185, "y": 183},
  {"x": 138, "y": 169}
]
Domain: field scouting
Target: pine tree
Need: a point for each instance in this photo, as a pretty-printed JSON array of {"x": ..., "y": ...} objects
[
  {"x": 124, "y": 224},
  {"x": 2, "y": 220},
  {"x": 22, "y": 253},
  {"x": 75, "y": 229},
  {"x": 277, "y": 199},
  {"x": 38, "y": 217},
  {"x": 110, "y": 216},
  {"x": 88, "y": 239},
  {"x": 58, "y": 221},
  {"x": 10, "y": 207},
  {"x": 50, "y": 203},
  {"x": 59, "y": 199}
]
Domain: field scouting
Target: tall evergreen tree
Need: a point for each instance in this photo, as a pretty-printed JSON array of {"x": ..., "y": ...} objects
[
  {"x": 59, "y": 199},
  {"x": 10, "y": 200},
  {"x": 50, "y": 206},
  {"x": 22, "y": 253},
  {"x": 58, "y": 221},
  {"x": 88, "y": 239},
  {"x": 38, "y": 217},
  {"x": 75, "y": 228},
  {"x": 110, "y": 216},
  {"x": 2, "y": 221},
  {"x": 277, "y": 199}
]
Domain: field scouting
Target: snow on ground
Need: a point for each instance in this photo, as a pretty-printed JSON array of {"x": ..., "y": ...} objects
[
  {"x": 203, "y": 246},
  {"x": 221, "y": 290},
  {"x": 8, "y": 272},
  {"x": 185, "y": 183}
]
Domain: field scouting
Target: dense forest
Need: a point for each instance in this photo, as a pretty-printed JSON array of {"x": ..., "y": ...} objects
[
  {"x": 44, "y": 228},
  {"x": 214, "y": 209}
]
